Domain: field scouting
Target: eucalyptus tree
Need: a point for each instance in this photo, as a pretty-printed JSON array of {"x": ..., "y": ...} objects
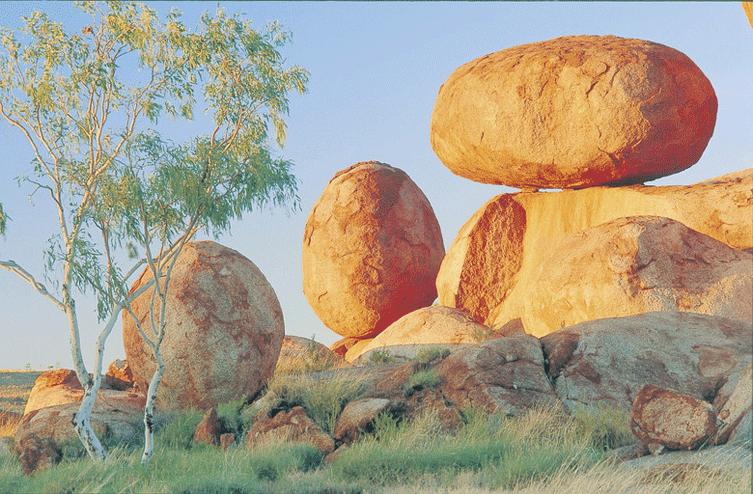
[{"x": 126, "y": 198}]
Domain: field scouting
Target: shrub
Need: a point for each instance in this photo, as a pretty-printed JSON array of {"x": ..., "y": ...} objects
[
  {"x": 425, "y": 379},
  {"x": 380, "y": 357},
  {"x": 428, "y": 355}
]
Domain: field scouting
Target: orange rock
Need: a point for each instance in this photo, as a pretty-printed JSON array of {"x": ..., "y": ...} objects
[
  {"x": 371, "y": 250},
  {"x": 341, "y": 347},
  {"x": 574, "y": 112},
  {"x": 630, "y": 266},
  {"x": 209, "y": 429},
  {"x": 224, "y": 330},
  {"x": 54, "y": 387},
  {"x": 748, "y": 9},
  {"x": 119, "y": 375},
  {"x": 673, "y": 420}
]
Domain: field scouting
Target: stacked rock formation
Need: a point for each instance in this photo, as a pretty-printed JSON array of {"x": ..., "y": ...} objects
[
  {"x": 371, "y": 250},
  {"x": 600, "y": 114}
]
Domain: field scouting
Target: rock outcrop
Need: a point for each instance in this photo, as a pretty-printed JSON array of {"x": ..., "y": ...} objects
[
  {"x": 510, "y": 235},
  {"x": 358, "y": 418},
  {"x": 119, "y": 375},
  {"x": 304, "y": 353},
  {"x": 630, "y": 266},
  {"x": 209, "y": 429},
  {"x": 673, "y": 420},
  {"x": 574, "y": 112},
  {"x": 225, "y": 329},
  {"x": 55, "y": 387},
  {"x": 434, "y": 325},
  {"x": 371, "y": 250},
  {"x": 604, "y": 363}
]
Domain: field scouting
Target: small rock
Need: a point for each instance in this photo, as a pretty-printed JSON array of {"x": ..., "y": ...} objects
[
  {"x": 119, "y": 375},
  {"x": 209, "y": 429},
  {"x": 227, "y": 440},
  {"x": 37, "y": 453},
  {"x": 357, "y": 417},
  {"x": 676, "y": 421},
  {"x": 292, "y": 426}
]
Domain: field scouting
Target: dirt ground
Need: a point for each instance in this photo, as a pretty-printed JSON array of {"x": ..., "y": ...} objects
[{"x": 15, "y": 386}]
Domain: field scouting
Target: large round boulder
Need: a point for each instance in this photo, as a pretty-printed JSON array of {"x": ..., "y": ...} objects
[
  {"x": 371, "y": 250},
  {"x": 574, "y": 112},
  {"x": 224, "y": 329}
]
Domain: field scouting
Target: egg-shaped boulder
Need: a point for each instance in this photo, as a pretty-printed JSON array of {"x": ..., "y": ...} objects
[
  {"x": 372, "y": 247},
  {"x": 224, "y": 329},
  {"x": 574, "y": 112}
]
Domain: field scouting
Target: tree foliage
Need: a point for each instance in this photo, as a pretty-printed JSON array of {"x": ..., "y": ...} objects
[{"x": 89, "y": 102}]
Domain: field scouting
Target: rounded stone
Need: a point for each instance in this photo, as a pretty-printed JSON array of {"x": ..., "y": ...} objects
[
  {"x": 224, "y": 329},
  {"x": 574, "y": 112},
  {"x": 371, "y": 250}
]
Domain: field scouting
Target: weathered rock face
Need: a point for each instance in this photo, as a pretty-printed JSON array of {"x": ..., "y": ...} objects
[
  {"x": 574, "y": 112},
  {"x": 118, "y": 414},
  {"x": 606, "y": 362},
  {"x": 371, "y": 250},
  {"x": 35, "y": 453},
  {"x": 292, "y": 426},
  {"x": 500, "y": 375},
  {"x": 510, "y": 235},
  {"x": 225, "y": 329},
  {"x": 358, "y": 417},
  {"x": 671, "y": 419},
  {"x": 427, "y": 326},
  {"x": 119, "y": 375},
  {"x": 629, "y": 266},
  {"x": 736, "y": 412}
]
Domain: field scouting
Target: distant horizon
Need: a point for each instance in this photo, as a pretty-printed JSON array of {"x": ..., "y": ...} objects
[{"x": 376, "y": 69}]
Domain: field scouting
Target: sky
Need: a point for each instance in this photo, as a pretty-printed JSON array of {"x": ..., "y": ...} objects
[{"x": 375, "y": 69}]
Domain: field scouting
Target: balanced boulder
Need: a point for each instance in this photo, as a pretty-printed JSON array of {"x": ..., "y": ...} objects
[
  {"x": 574, "y": 112},
  {"x": 629, "y": 266},
  {"x": 224, "y": 329},
  {"x": 372, "y": 247}
]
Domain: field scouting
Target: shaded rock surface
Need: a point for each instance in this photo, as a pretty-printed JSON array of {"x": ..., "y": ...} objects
[
  {"x": 630, "y": 266},
  {"x": 573, "y": 112},
  {"x": 671, "y": 419},
  {"x": 209, "y": 429},
  {"x": 289, "y": 426},
  {"x": 736, "y": 412},
  {"x": 604, "y": 363},
  {"x": 226, "y": 330},
  {"x": 357, "y": 418},
  {"x": 507, "y": 238},
  {"x": 371, "y": 250},
  {"x": 119, "y": 375},
  {"x": 36, "y": 453}
]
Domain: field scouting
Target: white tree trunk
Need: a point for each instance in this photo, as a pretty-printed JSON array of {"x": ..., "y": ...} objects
[
  {"x": 151, "y": 396},
  {"x": 82, "y": 422}
]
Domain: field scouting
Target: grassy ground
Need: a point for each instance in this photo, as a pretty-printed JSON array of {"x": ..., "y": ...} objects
[
  {"x": 539, "y": 453},
  {"x": 15, "y": 386}
]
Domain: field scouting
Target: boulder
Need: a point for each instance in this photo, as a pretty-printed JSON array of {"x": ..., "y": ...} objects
[
  {"x": 224, "y": 330},
  {"x": 291, "y": 426},
  {"x": 629, "y": 266},
  {"x": 304, "y": 353},
  {"x": 604, "y": 363},
  {"x": 736, "y": 412},
  {"x": 574, "y": 112},
  {"x": 209, "y": 429},
  {"x": 119, "y": 375},
  {"x": 116, "y": 414},
  {"x": 502, "y": 375},
  {"x": 434, "y": 325},
  {"x": 371, "y": 250},
  {"x": 54, "y": 387},
  {"x": 718, "y": 457},
  {"x": 358, "y": 417},
  {"x": 356, "y": 350},
  {"x": 674, "y": 420},
  {"x": 510, "y": 235},
  {"x": 37, "y": 453}
]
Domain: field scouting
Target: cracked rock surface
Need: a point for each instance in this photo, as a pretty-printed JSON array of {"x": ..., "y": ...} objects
[{"x": 574, "y": 112}]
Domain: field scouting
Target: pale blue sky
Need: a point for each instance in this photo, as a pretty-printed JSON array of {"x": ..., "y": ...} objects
[{"x": 375, "y": 72}]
